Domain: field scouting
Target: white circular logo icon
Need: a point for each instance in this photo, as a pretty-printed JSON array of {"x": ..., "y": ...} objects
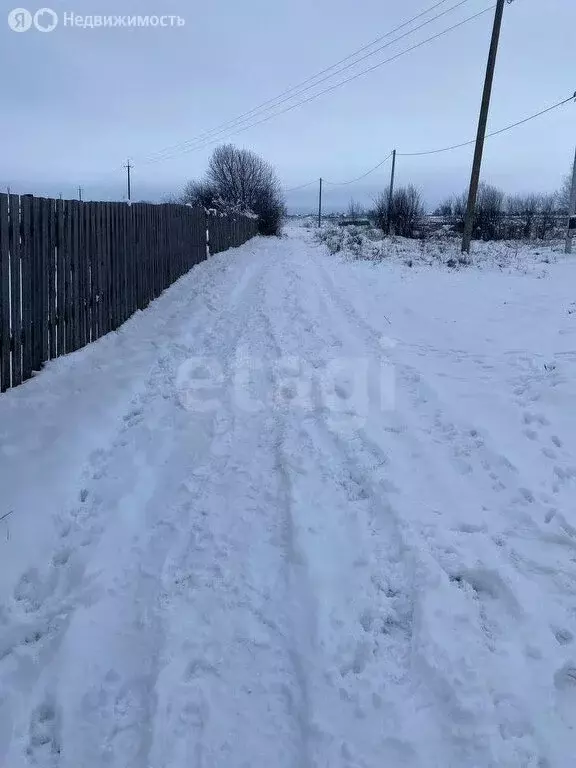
[
  {"x": 20, "y": 20},
  {"x": 45, "y": 20}
]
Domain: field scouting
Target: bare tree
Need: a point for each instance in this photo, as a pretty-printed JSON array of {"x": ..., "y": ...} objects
[
  {"x": 199, "y": 193},
  {"x": 406, "y": 211},
  {"x": 459, "y": 207},
  {"x": 547, "y": 216},
  {"x": 380, "y": 211},
  {"x": 243, "y": 180},
  {"x": 355, "y": 210},
  {"x": 523, "y": 210},
  {"x": 445, "y": 209},
  {"x": 489, "y": 212},
  {"x": 563, "y": 197},
  {"x": 240, "y": 181}
]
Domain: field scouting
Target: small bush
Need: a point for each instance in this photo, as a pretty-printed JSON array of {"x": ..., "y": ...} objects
[{"x": 402, "y": 215}]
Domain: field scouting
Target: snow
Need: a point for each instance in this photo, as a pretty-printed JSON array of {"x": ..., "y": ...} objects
[
  {"x": 440, "y": 249},
  {"x": 304, "y": 511}
]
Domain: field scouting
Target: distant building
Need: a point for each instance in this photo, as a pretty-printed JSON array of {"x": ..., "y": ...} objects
[{"x": 348, "y": 221}]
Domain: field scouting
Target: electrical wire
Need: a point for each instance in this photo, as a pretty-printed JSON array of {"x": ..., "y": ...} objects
[
  {"x": 446, "y": 149},
  {"x": 353, "y": 181},
  {"x": 341, "y": 83},
  {"x": 302, "y": 186},
  {"x": 290, "y": 94},
  {"x": 489, "y": 135}
]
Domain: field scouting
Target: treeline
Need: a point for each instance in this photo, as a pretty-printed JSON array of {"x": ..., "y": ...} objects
[
  {"x": 506, "y": 217},
  {"x": 497, "y": 216}
]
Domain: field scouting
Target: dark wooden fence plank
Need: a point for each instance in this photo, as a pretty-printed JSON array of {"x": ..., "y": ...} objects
[
  {"x": 113, "y": 268},
  {"x": 119, "y": 265},
  {"x": 26, "y": 272},
  {"x": 120, "y": 260},
  {"x": 69, "y": 278},
  {"x": 129, "y": 251},
  {"x": 111, "y": 265},
  {"x": 89, "y": 234},
  {"x": 61, "y": 267},
  {"x": 15, "y": 290},
  {"x": 83, "y": 281},
  {"x": 83, "y": 258},
  {"x": 36, "y": 286},
  {"x": 95, "y": 267},
  {"x": 5, "y": 326},
  {"x": 93, "y": 270},
  {"x": 101, "y": 241},
  {"x": 105, "y": 268},
  {"x": 139, "y": 255},
  {"x": 122, "y": 221},
  {"x": 75, "y": 276},
  {"x": 51, "y": 274},
  {"x": 125, "y": 228},
  {"x": 150, "y": 246},
  {"x": 42, "y": 256},
  {"x": 45, "y": 257},
  {"x": 109, "y": 262}
]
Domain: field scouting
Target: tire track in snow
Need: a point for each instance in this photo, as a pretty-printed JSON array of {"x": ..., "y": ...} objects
[
  {"x": 494, "y": 594},
  {"x": 367, "y": 650},
  {"x": 244, "y": 666},
  {"x": 116, "y": 706}
]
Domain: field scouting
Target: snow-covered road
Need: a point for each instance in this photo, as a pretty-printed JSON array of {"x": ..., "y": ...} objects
[{"x": 300, "y": 513}]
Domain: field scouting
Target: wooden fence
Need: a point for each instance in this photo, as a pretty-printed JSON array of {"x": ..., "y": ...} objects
[
  {"x": 71, "y": 272},
  {"x": 229, "y": 231}
]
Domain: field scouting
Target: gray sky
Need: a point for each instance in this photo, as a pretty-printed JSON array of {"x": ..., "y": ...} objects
[{"x": 78, "y": 102}]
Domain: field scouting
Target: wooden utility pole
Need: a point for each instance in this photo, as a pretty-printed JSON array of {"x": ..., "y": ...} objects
[
  {"x": 391, "y": 193},
  {"x": 320, "y": 205},
  {"x": 482, "y": 122},
  {"x": 571, "y": 231},
  {"x": 129, "y": 167}
]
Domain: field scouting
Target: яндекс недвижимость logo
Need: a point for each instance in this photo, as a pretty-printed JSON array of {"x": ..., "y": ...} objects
[
  {"x": 46, "y": 20},
  {"x": 21, "y": 20}
]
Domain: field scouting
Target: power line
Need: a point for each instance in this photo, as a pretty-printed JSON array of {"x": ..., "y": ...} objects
[
  {"x": 340, "y": 84},
  {"x": 353, "y": 181},
  {"x": 340, "y": 183},
  {"x": 445, "y": 149},
  {"x": 302, "y": 186},
  {"x": 189, "y": 146},
  {"x": 290, "y": 94},
  {"x": 489, "y": 135}
]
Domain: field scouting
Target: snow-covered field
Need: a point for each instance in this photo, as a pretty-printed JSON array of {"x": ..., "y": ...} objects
[{"x": 304, "y": 512}]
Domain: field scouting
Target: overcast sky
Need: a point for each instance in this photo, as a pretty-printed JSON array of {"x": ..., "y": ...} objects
[{"x": 77, "y": 102}]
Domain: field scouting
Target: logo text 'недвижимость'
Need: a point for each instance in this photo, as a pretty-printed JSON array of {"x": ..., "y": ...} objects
[{"x": 46, "y": 20}]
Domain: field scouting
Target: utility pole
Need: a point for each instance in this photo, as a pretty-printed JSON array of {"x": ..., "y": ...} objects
[
  {"x": 320, "y": 205},
  {"x": 571, "y": 212},
  {"x": 80, "y": 194},
  {"x": 482, "y": 122},
  {"x": 129, "y": 167},
  {"x": 391, "y": 193}
]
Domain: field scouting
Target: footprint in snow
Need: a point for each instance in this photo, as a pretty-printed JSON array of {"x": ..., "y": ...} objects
[{"x": 44, "y": 738}]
